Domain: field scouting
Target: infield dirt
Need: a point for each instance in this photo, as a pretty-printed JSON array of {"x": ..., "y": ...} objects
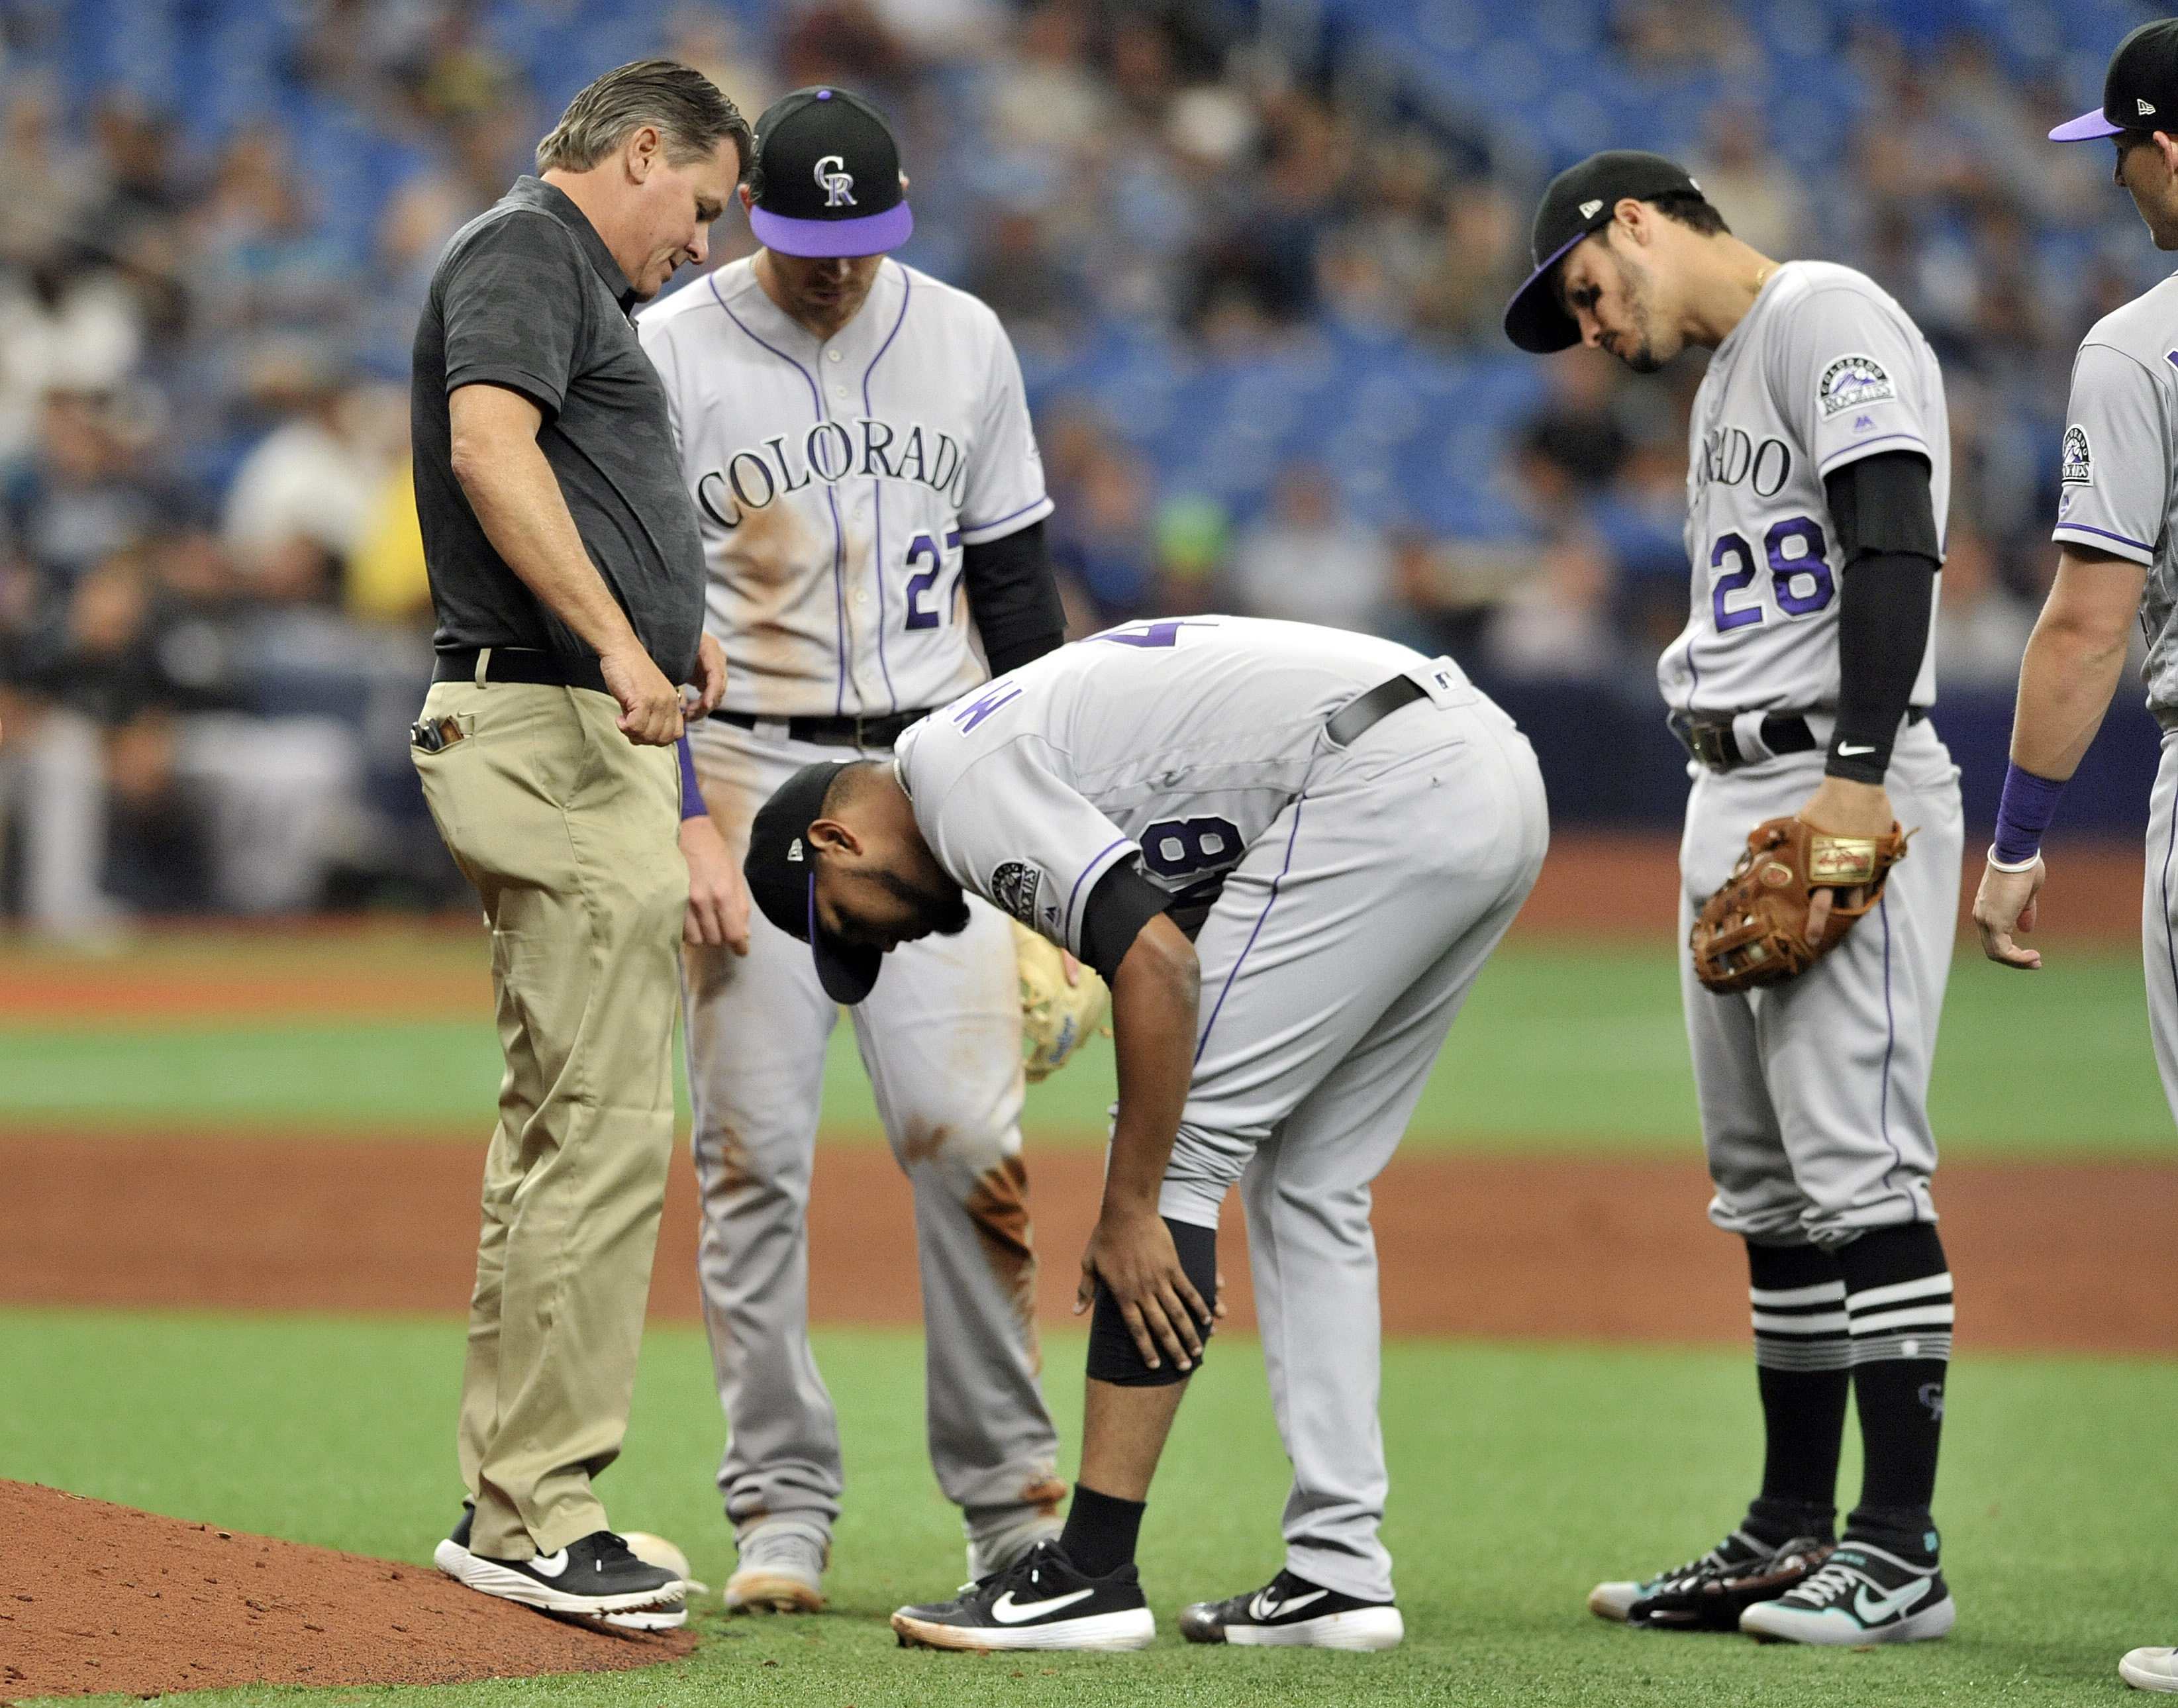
[
  {"x": 96, "y": 1598},
  {"x": 2048, "y": 1256}
]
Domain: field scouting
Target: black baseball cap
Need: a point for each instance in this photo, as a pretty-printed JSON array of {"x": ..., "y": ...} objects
[
  {"x": 1578, "y": 204},
  {"x": 2140, "y": 90},
  {"x": 831, "y": 183},
  {"x": 782, "y": 876}
]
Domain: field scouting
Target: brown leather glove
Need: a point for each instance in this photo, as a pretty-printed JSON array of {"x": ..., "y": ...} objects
[{"x": 1754, "y": 929}]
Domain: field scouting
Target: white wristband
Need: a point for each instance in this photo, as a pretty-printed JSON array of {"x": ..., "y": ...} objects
[{"x": 2008, "y": 866}]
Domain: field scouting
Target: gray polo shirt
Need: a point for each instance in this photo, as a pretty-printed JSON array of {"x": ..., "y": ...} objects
[{"x": 528, "y": 295}]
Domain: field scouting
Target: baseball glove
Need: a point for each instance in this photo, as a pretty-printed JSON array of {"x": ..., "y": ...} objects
[
  {"x": 1057, "y": 1017},
  {"x": 1754, "y": 930}
]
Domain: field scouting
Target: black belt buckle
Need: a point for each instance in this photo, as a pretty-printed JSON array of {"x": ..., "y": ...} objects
[{"x": 1712, "y": 744}]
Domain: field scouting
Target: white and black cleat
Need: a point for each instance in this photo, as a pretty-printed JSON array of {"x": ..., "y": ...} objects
[
  {"x": 594, "y": 1576},
  {"x": 1737, "y": 1553},
  {"x": 1861, "y": 1595},
  {"x": 2150, "y": 1669},
  {"x": 1040, "y": 1602},
  {"x": 1291, "y": 1611}
]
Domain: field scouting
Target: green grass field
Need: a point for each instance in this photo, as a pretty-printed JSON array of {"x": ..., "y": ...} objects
[
  {"x": 1569, "y": 1051},
  {"x": 1520, "y": 1476}
]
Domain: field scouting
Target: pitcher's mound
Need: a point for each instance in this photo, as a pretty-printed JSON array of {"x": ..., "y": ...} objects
[{"x": 98, "y": 1598}]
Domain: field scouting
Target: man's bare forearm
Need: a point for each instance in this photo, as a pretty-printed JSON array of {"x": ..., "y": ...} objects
[
  {"x": 1153, "y": 1016},
  {"x": 2073, "y": 662},
  {"x": 518, "y": 502}
]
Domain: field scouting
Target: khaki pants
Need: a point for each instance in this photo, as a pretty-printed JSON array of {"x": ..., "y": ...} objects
[{"x": 570, "y": 834}]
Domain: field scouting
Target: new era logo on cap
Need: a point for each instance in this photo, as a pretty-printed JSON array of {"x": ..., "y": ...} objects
[
  {"x": 1588, "y": 209},
  {"x": 2142, "y": 79},
  {"x": 2145, "y": 107}
]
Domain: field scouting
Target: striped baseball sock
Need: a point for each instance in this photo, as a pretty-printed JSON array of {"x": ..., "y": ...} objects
[
  {"x": 1899, "y": 1311},
  {"x": 1801, "y": 1357}
]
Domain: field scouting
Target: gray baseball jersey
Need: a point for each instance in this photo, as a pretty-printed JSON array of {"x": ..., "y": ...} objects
[
  {"x": 1180, "y": 740},
  {"x": 2115, "y": 491},
  {"x": 837, "y": 483},
  {"x": 1359, "y": 892},
  {"x": 1824, "y": 369},
  {"x": 1813, "y": 1093},
  {"x": 2118, "y": 492}
]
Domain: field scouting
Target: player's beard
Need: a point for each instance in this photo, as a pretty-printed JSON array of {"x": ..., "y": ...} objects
[
  {"x": 1639, "y": 300},
  {"x": 938, "y": 903}
]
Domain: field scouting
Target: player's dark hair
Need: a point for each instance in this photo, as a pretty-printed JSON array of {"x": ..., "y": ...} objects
[
  {"x": 685, "y": 106},
  {"x": 1695, "y": 212}
]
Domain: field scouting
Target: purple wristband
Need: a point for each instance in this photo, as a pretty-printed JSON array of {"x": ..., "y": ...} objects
[
  {"x": 691, "y": 797},
  {"x": 2023, "y": 814}
]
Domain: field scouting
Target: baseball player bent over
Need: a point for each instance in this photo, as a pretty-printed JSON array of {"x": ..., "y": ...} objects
[
  {"x": 1290, "y": 849},
  {"x": 857, "y": 442},
  {"x": 1820, "y": 467},
  {"x": 2115, "y": 529}
]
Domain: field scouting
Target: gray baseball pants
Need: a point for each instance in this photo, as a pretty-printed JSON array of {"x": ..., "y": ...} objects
[
  {"x": 1815, "y": 1093},
  {"x": 1333, "y": 964},
  {"x": 941, "y": 1039}
]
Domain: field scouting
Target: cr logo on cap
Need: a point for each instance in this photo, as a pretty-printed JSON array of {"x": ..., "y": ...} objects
[{"x": 833, "y": 179}]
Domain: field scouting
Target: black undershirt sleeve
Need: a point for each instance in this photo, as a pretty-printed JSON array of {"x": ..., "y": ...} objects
[
  {"x": 1887, "y": 527},
  {"x": 1014, "y": 598},
  {"x": 1123, "y": 902}
]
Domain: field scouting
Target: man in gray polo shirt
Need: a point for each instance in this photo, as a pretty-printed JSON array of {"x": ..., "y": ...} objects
[{"x": 567, "y": 578}]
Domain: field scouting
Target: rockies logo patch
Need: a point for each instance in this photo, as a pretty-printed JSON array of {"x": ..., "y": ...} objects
[
  {"x": 1852, "y": 382},
  {"x": 2077, "y": 466},
  {"x": 1014, "y": 886}
]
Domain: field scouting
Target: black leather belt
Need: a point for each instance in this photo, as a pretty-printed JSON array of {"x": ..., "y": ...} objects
[
  {"x": 521, "y": 665},
  {"x": 1362, "y": 714},
  {"x": 1708, "y": 736},
  {"x": 834, "y": 732}
]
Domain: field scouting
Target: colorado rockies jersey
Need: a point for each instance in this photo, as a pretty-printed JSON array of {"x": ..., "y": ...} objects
[
  {"x": 838, "y": 481},
  {"x": 2115, "y": 491},
  {"x": 1824, "y": 369},
  {"x": 1179, "y": 740}
]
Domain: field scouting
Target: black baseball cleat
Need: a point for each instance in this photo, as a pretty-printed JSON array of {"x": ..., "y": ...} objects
[
  {"x": 1713, "y": 1599},
  {"x": 1861, "y": 1595},
  {"x": 1040, "y": 1602},
  {"x": 452, "y": 1555},
  {"x": 1739, "y": 1551},
  {"x": 1291, "y": 1611},
  {"x": 596, "y": 1576}
]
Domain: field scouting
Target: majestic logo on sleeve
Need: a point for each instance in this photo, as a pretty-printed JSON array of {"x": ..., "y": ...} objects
[
  {"x": 1852, "y": 382},
  {"x": 2077, "y": 466},
  {"x": 834, "y": 180},
  {"x": 1014, "y": 886}
]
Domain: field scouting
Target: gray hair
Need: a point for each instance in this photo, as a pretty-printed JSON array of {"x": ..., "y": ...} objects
[{"x": 685, "y": 107}]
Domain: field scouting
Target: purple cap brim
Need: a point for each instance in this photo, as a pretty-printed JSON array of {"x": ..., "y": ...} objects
[
  {"x": 2086, "y": 126},
  {"x": 1529, "y": 318},
  {"x": 825, "y": 239}
]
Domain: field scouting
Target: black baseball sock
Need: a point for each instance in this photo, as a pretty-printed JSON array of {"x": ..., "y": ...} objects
[
  {"x": 1801, "y": 1351},
  {"x": 1099, "y": 1537},
  {"x": 1898, "y": 1295}
]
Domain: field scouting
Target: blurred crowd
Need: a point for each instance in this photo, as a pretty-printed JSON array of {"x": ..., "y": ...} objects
[{"x": 1253, "y": 257}]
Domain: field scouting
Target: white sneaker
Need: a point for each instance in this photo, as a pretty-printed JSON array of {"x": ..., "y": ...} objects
[
  {"x": 2150, "y": 1669},
  {"x": 1861, "y": 1595},
  {"x": 781, "y": 1569}
]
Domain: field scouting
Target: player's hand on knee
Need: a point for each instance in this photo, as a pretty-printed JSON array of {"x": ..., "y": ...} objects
[
  {"x": 1135, "y": 1261},
  {"x": 2005, "y": 904},
  {"x": 718, "y": 914}
]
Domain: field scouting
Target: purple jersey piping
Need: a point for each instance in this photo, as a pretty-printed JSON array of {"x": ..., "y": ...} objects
[
  {"x": 1066, "y": 924},
  {"x": 877, "y": 494},
  {"x": 982, "y": 527},
  {"x": 838, "y": 535},
  {"x": 1890, "y": 1045},
  {"x": 1239, "y": 961},
  {"x": 2169, "y": 943},
  {"x": 2102, "y": 533}
]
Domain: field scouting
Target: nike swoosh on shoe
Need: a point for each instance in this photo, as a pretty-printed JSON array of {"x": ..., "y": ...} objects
[
  {"x": 1009, "y": 1611},
  {"x": 1263, "y": 1612},
  {"x": 1875, "y": 1613}
]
